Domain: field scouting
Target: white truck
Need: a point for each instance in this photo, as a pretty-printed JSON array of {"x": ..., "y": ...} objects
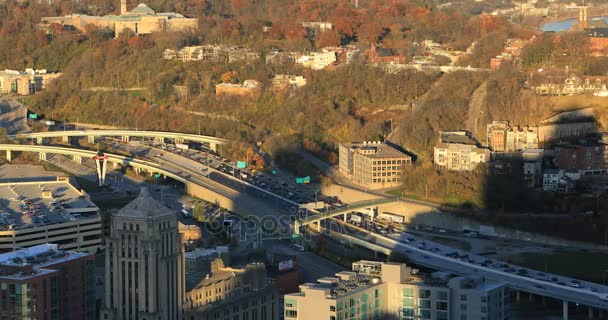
[
  {"x": 354, "y": 218},
  {"x": 391, "y": 217},
  {"x": 369, "y": 213},
  {"x": 182, "y": 146}
]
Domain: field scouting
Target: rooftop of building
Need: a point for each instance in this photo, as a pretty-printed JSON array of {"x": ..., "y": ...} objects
[
  {"x": 26, "y": 172},
  {"x": 377, "y": 149},
  {"x": 40, "y": 202},
  {"x": 27, "y": 71},
  {"x": 457, "y": 137},
  {"x": 145, "y": 205},
  {"x": 370, "y": 274},
  {"x": 27, "y": 263}
]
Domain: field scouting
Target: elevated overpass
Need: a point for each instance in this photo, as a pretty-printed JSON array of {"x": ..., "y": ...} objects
[
  {"x": 321, "y": 215},
  {"x": 195, "y": 184},
  {"x": 178, "y": 137},
  {"x": 442, "y": 258}
]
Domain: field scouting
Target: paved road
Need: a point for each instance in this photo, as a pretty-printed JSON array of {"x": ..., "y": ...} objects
[
  {"x": 310, "y": 265},
  {"x": 13, "y": 116},
  {"x": 441, "y": 257}
]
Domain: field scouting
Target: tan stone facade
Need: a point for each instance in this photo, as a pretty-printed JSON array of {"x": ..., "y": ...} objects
[
  {"x": 373, "y": 164},
  {"x": 25, "y": 82},
  {"x": 141, "y": 20}
]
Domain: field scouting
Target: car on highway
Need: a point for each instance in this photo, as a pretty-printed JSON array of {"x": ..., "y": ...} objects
[{"x": 297, "y": 247}]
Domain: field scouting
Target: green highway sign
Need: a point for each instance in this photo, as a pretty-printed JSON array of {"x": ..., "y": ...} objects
[
  {"x": 303, "y": 180},
  {"x": 274, "y": 172},
  {"x": 33, "y": 116},
  {"x": 241, "y": 164},
  {"x": 157, "y": 175}
]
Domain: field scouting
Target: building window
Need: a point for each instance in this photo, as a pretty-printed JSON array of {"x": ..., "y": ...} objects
[
  {"x": 291, "y": 313},
  {"x": 425, "y": 294},
  {"x": 442, "y": 295},
  {"x": 408, "y": 292},
  {"x": 463, "y": 297},
  {"x": 441, "y": 305}
]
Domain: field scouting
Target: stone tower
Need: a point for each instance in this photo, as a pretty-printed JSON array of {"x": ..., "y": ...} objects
[{"x": 144, "y": 263}]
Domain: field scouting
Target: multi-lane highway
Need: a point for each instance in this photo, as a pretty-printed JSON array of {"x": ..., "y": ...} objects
[{"x": 436, "y": 256}]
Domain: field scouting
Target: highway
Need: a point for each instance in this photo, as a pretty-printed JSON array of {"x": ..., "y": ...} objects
[
  {"x": 436, "y": 256},
  {"x": 167, "y": 168}
]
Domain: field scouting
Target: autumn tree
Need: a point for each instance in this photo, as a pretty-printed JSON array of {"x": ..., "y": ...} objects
[{"x": 329, "y": 38}]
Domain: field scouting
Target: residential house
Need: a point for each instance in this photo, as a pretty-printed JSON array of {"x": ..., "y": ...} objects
[
  {"x": 458, "y": 151},
  {"x": 280, "y": 57},
  {"x": 556, "y": 180},
  {"x": 318, "y": 26},
  {"x": 381, "y": 55},
  {"x": 571, "y": 85},
  {"x": 213, "y": 53},
  {"x": 288, "y": 81},
  {"x": 503, "y": 138},
  {"x": 317, "y": 60},
  {"x": 533, "y": 166}
]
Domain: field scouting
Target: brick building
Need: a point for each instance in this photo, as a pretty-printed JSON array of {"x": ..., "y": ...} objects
[
  {"x": 384, "y": 55},
  {"x": 503, "y": 138},
  {"x": 587, "y": 156},
  {"x": 43, "y": 282}
]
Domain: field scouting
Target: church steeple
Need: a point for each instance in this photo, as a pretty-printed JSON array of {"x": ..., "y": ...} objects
[{"x": 123, "y": 7}]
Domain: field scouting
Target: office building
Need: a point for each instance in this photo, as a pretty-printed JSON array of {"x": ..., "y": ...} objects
[
  {"x": 378, "y": 290},
  {"x": 45, "y": 209},
  {"x": 44, "y": 282},
  {"x": 233, "y": 293},
  {"x": 458, "y": 151},
  {"x": 144, "y": 263},
  {"x": 373, "y": 164}
]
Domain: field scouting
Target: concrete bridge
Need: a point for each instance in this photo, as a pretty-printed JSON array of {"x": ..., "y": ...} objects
[
  {"x": 195, "y": 184},
  {"x": 125, "y": 135}
]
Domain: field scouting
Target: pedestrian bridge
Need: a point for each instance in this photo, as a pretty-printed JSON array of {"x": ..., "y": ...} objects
[
  {"x": 321, "y": 215},
  {"x": 178, "y": 137}
]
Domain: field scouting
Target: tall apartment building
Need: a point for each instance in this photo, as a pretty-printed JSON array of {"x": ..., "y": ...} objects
[
  {"x": 43, "y": 282},
  {"x": 503, "y": 138},
  {"x": 144, "y": 263},
  {"x": 378, "y": 290},
  {"x": 372, "y": 164},
  {"x": 233, "y": 293},
  {"x": 458, "y": 151}
]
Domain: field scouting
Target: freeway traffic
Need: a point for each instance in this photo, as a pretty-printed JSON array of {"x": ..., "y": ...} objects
[{"x": 433, "y": 255}]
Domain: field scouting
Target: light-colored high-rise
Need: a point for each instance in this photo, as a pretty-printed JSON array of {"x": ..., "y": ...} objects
[
  {"x": 144, "y": 263},
  {"x": 377, "y": 290}
]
